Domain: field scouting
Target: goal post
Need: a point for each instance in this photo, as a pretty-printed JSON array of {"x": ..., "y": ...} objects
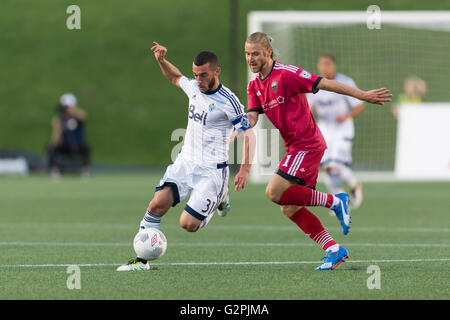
[{"x": 376, "y": 51}]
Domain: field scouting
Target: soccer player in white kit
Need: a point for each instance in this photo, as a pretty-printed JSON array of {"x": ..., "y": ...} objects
[
  {"x": 335, "y": 113},
  {"x": 200, "y": 169}
]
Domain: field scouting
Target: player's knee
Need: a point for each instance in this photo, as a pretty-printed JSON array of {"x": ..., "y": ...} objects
[
  {"x": 188, "y": 226},
  {"x": 272, "y": 194},
  {"x": 188, "y": 223},
  {"x": 288, "y": 211}
]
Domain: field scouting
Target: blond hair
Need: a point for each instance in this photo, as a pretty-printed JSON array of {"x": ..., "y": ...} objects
[{"x": 264, "y": 40}]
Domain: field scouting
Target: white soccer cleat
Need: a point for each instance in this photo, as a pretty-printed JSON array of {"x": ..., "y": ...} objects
[
  {"x": 357, "y": 197},
  {"x": 134, "y": 265},
  {"x": 225, "y": 206}
]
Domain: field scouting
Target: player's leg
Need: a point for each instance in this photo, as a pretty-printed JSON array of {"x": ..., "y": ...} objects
[
  {"x": 159, "y": 205},
  {"x": 341, "y": 162},
  {"x": 348, "y": 176},
  {"x": 281, "y": 191},
  {"x": 171, "y": 189},
  {"x": 51, "y": 158},
  {"x": 190, "y": 223},
  {"x": 332, "y": 179},
  {"x": 346, "y": 173},
  {"x": 192, "y": 219},
  {"x": 311, "y": 226},
  {"x": 163, "y": 199},
  {"x": 208, "y": 191},
  {"x": 303, "y": 169},
  {"x": 85, "y": 153},
  {"x": 53, "y": 151}
]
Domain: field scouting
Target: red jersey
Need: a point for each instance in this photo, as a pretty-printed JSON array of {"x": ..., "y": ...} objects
[{"x": 281, "y": 97}]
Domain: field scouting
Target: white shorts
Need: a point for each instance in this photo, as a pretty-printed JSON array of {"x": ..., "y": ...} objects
[
  {"x": 339, "y": 149},
  {"x": 207, "y": 186}
]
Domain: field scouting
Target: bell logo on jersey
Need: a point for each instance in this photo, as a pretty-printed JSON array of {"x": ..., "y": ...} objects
[
  {"x": 197, "y": 117},
  {"x": 274, "y": 86},
  {"x": 305, "y": 74}
]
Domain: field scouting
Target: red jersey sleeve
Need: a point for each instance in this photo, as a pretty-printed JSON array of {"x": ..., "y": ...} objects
[
  {"x": 302, "y": 81},
  {"x": 253, "y": 102}
]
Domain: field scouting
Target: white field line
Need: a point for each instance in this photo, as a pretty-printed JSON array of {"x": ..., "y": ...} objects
[
  {"x": 222, "y": 244},
  {"x": 219, "y": 263},
  {"x": 217, "y": 227}
]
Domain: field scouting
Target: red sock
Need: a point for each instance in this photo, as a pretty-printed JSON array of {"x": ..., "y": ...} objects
[
  {"x": 312, "y": 226},
  {"x": 304, "y": 196}
]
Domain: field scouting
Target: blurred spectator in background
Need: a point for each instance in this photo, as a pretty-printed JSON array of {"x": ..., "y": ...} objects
[
  {"x": 68, "y": 136},
  {"x": 414, "y": 89}
]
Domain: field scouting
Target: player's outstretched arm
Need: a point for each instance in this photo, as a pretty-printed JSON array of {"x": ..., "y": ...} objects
[
  {"x": 376, "y": 96},
  {"x": 247, "y": 158},
  {"x": 168, "y": 70}
]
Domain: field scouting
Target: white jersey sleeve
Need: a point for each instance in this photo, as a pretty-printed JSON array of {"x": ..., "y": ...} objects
[
  {"x": 235, "y": 112},
  {"x": 188, "y": 85}
]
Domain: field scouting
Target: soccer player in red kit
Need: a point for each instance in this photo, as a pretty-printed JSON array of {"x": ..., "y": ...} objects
[{"x": 278, "y": 91}]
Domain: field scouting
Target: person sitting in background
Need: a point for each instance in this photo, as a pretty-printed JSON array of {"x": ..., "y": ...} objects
[
  {"x": 414, "y": 90},
  {"x": 68, "y": 136}
]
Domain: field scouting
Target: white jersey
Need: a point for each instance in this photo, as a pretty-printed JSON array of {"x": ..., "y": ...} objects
[
  {"x": 328, "y": 105},
  {"x": 211, "y": 118}
]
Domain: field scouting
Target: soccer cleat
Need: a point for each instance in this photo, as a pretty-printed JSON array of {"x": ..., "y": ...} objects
[
  {"x": 333, "y": 259},
  {"x": 357, "y": 197},
  {"x": 135, "y": 264},
  {"x": 342, "y": 213},
  {"x": 335, "y": 191},
  {"x": 225, "y": 206}
]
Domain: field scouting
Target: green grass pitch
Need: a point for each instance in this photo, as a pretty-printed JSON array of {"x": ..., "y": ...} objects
[{"x": 403, "y": 228}]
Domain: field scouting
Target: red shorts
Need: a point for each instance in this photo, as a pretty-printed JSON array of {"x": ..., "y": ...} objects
[{"x": 301, "y": 166}]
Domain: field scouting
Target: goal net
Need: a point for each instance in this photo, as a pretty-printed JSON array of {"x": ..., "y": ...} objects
[{"x": 384, "y": 53}]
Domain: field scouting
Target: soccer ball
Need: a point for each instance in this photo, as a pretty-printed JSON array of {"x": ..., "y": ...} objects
[{"x": 150, "y": 244}]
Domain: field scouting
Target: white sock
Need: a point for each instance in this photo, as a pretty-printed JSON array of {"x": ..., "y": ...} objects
[
  {"x": 150, "y": 221},
  {"x": 333, "y": 248},
  {"x": 336, "y": 201}
]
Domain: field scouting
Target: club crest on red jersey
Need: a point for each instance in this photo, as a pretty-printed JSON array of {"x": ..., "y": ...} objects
[
  {"x": 305, "y": 74},
  {"x": 274, "y": 86}
]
